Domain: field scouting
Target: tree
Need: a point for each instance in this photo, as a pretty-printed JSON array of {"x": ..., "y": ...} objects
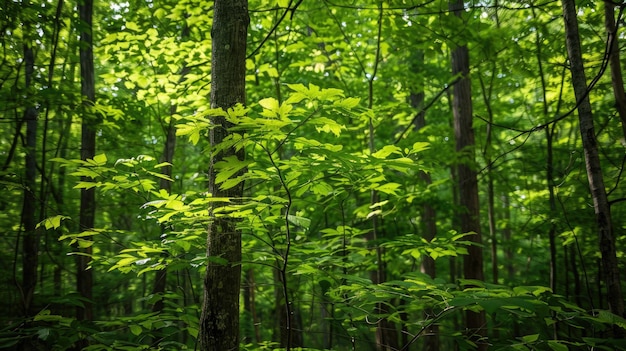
[
  {"x": 466, "y": 175},
  {"x": 602, "y": 208},
  {"x": 219, "y": 321},
  {"x": 30, "y": 245},
  {"x": 84, "y": 274},
  {"x": 614, "y": 62}
]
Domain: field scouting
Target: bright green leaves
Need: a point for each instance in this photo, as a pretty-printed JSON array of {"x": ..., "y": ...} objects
[
  {"x": 141, "y": 257},
  {"x": 83, "y": 239},
  {"x": 386, "y": 151},
  {"x": 136, "y": 174},
  {"x": 441, "y": 246},
  {"x": 227, "y": 168},
  {"x": 53, "y": 222},
  {"x": 273, "y": 109},
  {"x": 193, "y": 128},
  {"x": 314, "y": 93}
]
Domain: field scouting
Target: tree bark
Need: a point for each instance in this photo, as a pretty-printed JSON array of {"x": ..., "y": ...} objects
[
  {"x": 160, "y": 279},
  {"x": 84, "y": 275},
  {"x": 595, "y": 177},
  {"x": 467, "y": 179},
  {"x": 219, "y": 320},
  {"x": 487, "y": 152},
  {"x": 615, "y": 65},
  {"x": 428, "y": 227},
  {"x": 30, "y": 243}
]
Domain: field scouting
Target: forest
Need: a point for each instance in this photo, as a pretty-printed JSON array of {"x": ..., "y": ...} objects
[{"x": 385, "y": 175}]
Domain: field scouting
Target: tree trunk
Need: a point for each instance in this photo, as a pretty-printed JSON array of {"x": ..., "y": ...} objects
[
  {"x": 428, "y": 227},
  {"x": 467, "y": 179},
  {"x": 219, "y": 320},
  {"x": 160, "y": 279},
  {"x": 84, "y": 275},
  {"x": 594, "y": 168},
  {"x": 254, "y": 333},
  {"x": 614, "y": 64},
  {"x": 487, "y": 152},
  {"x": 30, "y": 244}
]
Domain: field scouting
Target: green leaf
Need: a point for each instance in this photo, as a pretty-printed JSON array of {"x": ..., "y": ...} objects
[
  {"x": 388, "y": 188},
  {"x": 83, "y": 244},
  {"x": 347, "y": 103},
  {"x": 162, "y": 164},
  {"x": 530, "y": 338},
  {"x": 327, "y": 125},
  {"x": 610, "y": 318},
  {"x": 86, "y": 185},
  {"x": 321, "y": 188},
  {"x": 386, "y": 151},
  {"x": 43, "y": 333},
  {"x": 270, "y": 104},
  {"x": 52, "y": 222},
  {"x": 419, "y": 147},
  {"x": 299, "y": 221},
  {"x": 557, "y": 346},
  {"x": 135, "y": 329},
  {"x": 132, "y": 26},
  {"x": 228, "y": 167},
  {"x": 100, "y": 159},
  {"x": 462, "y": 301}
]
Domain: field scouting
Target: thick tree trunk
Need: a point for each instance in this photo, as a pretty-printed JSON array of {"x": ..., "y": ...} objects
[
  {"x": 219, "y": 321},
  {"x": 467, "y": 179},
  {"x": 84, "y": 275},
  {"x": 601, "y": 205}
]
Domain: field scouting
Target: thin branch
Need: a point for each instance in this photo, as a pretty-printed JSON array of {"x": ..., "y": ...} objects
[
  {"x": 271, "y": 32},
  {"x": 429, "y": 105}
]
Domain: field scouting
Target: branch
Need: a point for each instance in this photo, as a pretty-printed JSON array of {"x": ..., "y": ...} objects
[{"x": 269, "y": 34}]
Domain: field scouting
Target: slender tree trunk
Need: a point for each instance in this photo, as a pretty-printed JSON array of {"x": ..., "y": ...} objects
[
  {"x": 47, "y": 187},
  {"x": 160, "y": 280},
  {"x": 549, "y": 162},
  {"x": 467, "y": 179},
  {"x": 219, "y": 320},
  {"x": 30, "y": 243},
  {"x": 250, "y": 306},
  {"x": 594, "y": 168},
  {"x": 552, "y": 202},
  {"x": 506, "y": 237},
  {"x": 386, "y": 332},
  {"x": 614, "y": 63},
  {"x": 84, "y": 275},
  {"x": 429, "y": 225},
  {"x": 281, "y": 326},
  {"x": 491, "y": 211}
]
